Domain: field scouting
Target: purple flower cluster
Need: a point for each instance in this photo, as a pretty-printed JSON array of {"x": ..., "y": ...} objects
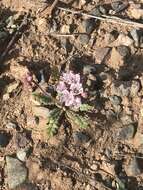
[{"x": 70, "y": 90}]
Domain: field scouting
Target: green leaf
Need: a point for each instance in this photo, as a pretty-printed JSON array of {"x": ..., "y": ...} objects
[
  {"x": 42, "y": 99},
  {"x": 52, "y": 124},
  {"x": 77, "y": 119},
  {"x": 120, "y": 185},
  {"x": 86, "y": 107}
]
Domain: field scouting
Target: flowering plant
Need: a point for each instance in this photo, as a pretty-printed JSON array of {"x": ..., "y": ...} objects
[{"x": 67, "y": 101}]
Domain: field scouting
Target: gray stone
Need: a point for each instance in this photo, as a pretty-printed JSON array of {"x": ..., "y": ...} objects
[
  {"x": 11, "y": 125},
  {"x": 127, "y": 133},
  {"x": 84, "y": 39},
  {"x": 102, "y": 10},
  {"x": 4, "y": 139},
  {"x": 95, "y": 11},
  {"x": 21, "y": 155},
  {"x": 81, "y": 137},
  {"x": 123, "y": 51},
  {"x": 16, "y": 172},
  {"x": 115, "y": 100},
  {"x": 88, "y": 25},
  {"x": 118, "y": 6},
  {"x": 135, "y": 36},
  {"x": 88, "y": 69},
  {"x": 133, "y": 169}
]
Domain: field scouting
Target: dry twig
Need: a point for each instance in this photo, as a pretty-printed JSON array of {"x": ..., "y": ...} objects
[
  {"x": 106, "y": 18},
  {"x": 23, "y": 23},
  {"x": 48, "y": 10}
]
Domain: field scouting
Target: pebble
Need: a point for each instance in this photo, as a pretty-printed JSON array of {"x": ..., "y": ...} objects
[
  {"x": 4, "y": 139},
  {"x": 115, "y": 100},
  {"x": 135, "y": 87},
  {"x": 11, "y": 125},
  {"x": 16, "y": 172},
  {"x": 122, "y": 40},
  {"x": 126, "y": 119},
  {"x": 124, "y": 51},
  {"x": 116, "y": 59},
  {"x": 88, "y": 69},
  {"x": 81, "y": 137},
  {"x": 133, "y": 168},
  {"x": 127, "y": 132},
  {"x": 94, "y": 167},
  {"x": 118, "y": 6},
  {"x": 135, "y": 36},
  {"x": 21, "y": 155},
  {"x": 84, "y": 39},
  {"x": 22, "y": 140},
  {"x": 95, "y": 11},
  {"x": 102, "y": 10},
  {"x": 88, "y": 26},
  {"x": 100, "y": 54}
]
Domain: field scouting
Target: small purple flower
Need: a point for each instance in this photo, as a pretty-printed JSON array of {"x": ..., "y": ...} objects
[
  {"x": 76, "y": 88},
  {"x": 61, "y": 87},
  {"x": 77, "y": 102},
  {"x": 70, "y": 90},
  {"x": 70, "y": 77},
  {"x": 67, "y": 98}
]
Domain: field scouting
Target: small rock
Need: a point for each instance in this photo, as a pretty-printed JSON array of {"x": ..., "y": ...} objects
[
  {"x": 127, "y": 133},
  {"x": 22, "y": 140},
  {"x": 4, "y": 139},
  {"x": 84, "y": 39},
  {"x": 94, "y": 167},
  {"x": 116, "y": 59},
  {"x": 100, "y": 54},
  {"x": 123, "y": 51},
  {"x": 16, "y": 172},
  {"x": 65, "y": 29},
  {"x": 102, "y": 10},
  {"x": 95, "y": 11},
  {"x": 88, "y": 69},
  {"x": 135, "y": 36},
  {"x": 40, "y": 111},
  {"x": 126, "y": 119},
  {"x": 21, "y": 155},
  {"x": 115, "y": 100},
  {"x": 88, "y": 26},
  {"x": 81, "y": 137},
  {"x": 6, "y": 96},
  {"x": 119, "y": 6},
  {"x": 124, "y": 89},
  {"x": 135, "y": 87},
  {"x": 136, "y": 12},
  {"x": 11, "y": 125},
  {"x": 133, "y": 168},
  {"x": 27, "y": 186},
  {"x": 12, "y": 87},
  {"x": 122, "y": 40}
]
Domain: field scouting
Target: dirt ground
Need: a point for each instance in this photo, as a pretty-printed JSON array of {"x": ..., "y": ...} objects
[{"x": 108, "y": 154}]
